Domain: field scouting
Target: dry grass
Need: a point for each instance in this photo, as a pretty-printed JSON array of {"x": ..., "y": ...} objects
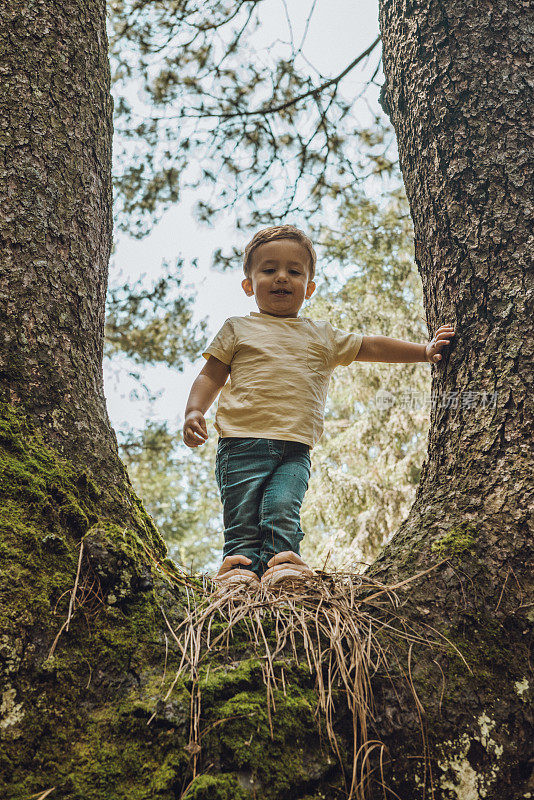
[
  {"x": 86, "y": 596},
  {"x": 343, "y": 626}
]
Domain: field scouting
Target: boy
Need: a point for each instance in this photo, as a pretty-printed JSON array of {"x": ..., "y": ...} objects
[{"x": 270, "y": 412}]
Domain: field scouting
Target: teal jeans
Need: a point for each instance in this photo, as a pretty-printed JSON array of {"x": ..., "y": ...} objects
[{"x": 262, "y": 483}]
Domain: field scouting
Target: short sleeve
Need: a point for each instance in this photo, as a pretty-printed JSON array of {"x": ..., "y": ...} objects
[
  {"x": 345, "y": 346},
  {"x": 223, "y": 344}
]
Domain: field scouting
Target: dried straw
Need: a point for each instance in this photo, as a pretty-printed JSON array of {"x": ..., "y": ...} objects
[{"x": 339, "y": 624}]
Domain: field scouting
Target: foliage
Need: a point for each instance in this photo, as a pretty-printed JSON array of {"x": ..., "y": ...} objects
[
  {"x": 367, "y": 464},
  {"x": 153, "y": 325},
  {"x": 366, "y": 467},
  {"x": 179, "y": 492},
  {"x": 255, "y": 126}
]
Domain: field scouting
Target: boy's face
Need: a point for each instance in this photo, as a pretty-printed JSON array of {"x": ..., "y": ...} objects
[{"x": 282, "y": 264}]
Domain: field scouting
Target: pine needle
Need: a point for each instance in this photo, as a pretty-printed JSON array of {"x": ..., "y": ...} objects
[{"x": 338, "y": 624}]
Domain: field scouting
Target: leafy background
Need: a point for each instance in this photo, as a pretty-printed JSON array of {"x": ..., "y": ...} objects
[{"x": 230, "y": 116}]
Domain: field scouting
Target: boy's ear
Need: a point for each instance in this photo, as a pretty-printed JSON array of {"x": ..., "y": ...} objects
[
  {"x": 246, "y": 283},
  {"x": 310, "y": 288}
]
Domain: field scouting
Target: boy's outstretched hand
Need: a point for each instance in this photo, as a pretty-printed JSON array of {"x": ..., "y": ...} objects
[
  {"x": 441, "y": 339},
  {"x": 195, "y": 431}
]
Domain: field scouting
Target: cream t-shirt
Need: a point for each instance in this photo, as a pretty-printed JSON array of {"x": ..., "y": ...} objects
[{"x": 280, "y": 368}]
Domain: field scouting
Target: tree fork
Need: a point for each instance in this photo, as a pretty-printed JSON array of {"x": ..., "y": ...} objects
[{"x": 76, "y": 720}]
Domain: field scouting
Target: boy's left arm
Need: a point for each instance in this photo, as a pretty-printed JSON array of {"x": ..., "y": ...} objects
[{"x": 396, "y": 351}]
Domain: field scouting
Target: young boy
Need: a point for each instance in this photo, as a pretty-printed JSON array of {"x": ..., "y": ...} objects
[{"x": 270, "y": 412}]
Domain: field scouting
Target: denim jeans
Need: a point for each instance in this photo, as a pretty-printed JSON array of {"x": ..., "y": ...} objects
[{"x": 262, "y": 484}]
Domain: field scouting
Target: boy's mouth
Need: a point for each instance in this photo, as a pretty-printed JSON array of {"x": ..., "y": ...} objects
[{"x": 280, "y": 291}]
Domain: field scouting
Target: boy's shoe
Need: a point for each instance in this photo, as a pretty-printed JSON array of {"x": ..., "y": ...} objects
[
  {"x": 225, "y": 582},
  {"x": 231, "y": 575},
  {"x": 286, "y": 575}
]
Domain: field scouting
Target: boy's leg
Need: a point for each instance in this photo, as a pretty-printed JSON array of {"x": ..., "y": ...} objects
[
  {"x": 242, "y": 467},
  {"x": 282, "y": 498}
]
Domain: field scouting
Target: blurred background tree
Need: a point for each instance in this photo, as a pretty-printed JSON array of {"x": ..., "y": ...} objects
[
  {"x": 366, "y": 466},
  {"x": 252, "y": 126},
  {"x": 153, "y": 325},
  {"x": 179, "y": 491}
]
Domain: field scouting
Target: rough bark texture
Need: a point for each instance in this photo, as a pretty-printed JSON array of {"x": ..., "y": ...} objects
[
  {"x": 55, "y": 220},
  {"x": 457, "y": 86},
  {"x": 74, "y": 710},
  {"x": 457, "y": 83}
]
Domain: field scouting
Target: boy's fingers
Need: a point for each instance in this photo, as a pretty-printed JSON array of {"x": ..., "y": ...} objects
[
  {"x": 195, "y": 434},
  {"x": 193, "y": 439}
]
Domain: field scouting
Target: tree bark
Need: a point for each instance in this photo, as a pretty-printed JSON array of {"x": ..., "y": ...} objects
[
  {"x": 456, "y": 86},
  {"x": 56, "y": 222},
  {"x": 87, "y": 597}
]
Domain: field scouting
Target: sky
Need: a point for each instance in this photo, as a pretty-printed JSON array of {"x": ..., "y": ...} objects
[{"x": 339, "y": 30}]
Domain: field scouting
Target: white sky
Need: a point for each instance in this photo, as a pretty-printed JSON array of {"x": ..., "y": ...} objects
[{"x": 339, "y": 30}]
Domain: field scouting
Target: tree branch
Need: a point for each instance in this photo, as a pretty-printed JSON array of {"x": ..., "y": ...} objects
[{"x": 310, "y": 93}]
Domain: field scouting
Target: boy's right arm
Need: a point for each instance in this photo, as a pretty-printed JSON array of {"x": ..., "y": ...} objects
[{"x": 203, "y": 392}]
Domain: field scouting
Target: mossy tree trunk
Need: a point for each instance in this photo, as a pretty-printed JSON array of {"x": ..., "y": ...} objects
[
  {"x": 456, "y": 88},
  {"x": 56, "y": 222},
  {"x": 76, "y": 544}
]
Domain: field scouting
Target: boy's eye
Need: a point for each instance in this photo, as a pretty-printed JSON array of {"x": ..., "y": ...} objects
[{"x": 294, "y": 271}]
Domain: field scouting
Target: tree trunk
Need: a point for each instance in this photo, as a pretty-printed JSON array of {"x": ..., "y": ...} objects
[
  {"x": 56, "y": 222},
  {"x": 456, "y": 86},
  {"x": 87, "y": 597}
]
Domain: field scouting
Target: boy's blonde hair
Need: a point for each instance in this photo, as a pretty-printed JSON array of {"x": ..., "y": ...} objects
[{"x": 279, "y": 232}]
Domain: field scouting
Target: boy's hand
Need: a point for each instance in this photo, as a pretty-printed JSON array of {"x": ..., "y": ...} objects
[
  {"x": 195, "y": 431},
  {"x": 441, "y": 339}
]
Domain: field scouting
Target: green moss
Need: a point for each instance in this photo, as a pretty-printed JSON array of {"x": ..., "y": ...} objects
[
  {"x": 277, "y": 748},
  {"x": 47, "y": 507},
  {"x": 80, "y": 717},
  {"x": 225, "y": 680},
  {"x": 50, "y": 491},
  {"x": 456, "y": 541}
]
